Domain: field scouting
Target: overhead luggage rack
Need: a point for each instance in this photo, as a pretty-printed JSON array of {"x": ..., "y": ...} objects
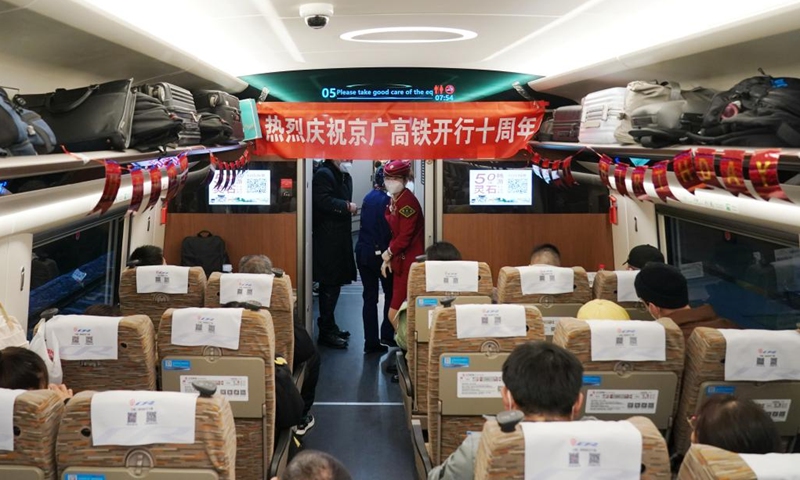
[{"x": 28, "y": 166}]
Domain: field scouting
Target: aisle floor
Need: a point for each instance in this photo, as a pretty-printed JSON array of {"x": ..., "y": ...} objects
[{"x": 358, "y": 410}]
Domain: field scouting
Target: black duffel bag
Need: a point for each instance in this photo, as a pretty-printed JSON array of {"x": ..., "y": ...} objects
[
  {"x": 214, "y": 130},
  {"x": 97, "y": 117},
  {"x": 153, "y": 125}
]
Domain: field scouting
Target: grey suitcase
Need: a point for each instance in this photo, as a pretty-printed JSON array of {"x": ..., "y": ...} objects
[
  {"x": 567, "y": 123},
  {"x": 180, "y": 102}
]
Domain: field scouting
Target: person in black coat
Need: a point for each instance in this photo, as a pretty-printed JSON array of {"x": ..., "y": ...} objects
[{"x": 334, "y": 262}]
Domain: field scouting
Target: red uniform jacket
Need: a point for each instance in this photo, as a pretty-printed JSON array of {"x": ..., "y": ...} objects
[{"x": 405, "y": 219}]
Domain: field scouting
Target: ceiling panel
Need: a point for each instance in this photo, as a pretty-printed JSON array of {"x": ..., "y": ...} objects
[{"x": 290, "y": 8}]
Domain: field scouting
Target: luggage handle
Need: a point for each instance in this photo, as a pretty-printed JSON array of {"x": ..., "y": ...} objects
[{"x": 72, "y": 106}]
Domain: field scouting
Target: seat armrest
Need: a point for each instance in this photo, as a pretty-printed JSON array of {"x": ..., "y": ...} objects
[
  {"x": 403, "y": 374},
  {"x": 281, "y": 455},
  {"x": 423, "y": 459}
]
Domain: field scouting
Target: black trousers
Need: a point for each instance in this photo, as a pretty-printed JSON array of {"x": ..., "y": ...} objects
[
  {"x": 328, "y": 298},
  {"x": 372, "y": 280},
  {"x": 306, "y": 352}
]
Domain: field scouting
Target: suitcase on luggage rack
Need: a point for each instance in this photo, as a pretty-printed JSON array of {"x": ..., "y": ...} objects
[
  {"x": 658, "y": 125},
  {"x": 567, "y": 123},
  {"x": 180, "y": 102},
  {"x": 603, "y": 112},
  {"x": 226, "y": 106}
]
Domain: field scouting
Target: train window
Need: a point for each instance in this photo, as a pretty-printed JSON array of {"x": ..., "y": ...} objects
[
  {"x": 75, "y": 270},
  {"x": 510, "y": 187},
  {"x": 751, "y": 281},
  {"x": 264, "y": 187}
]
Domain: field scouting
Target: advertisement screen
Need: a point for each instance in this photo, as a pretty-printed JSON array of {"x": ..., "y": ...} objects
[
  {"x": 500, "y": 187},
  {"x": 252, "y": 187}
]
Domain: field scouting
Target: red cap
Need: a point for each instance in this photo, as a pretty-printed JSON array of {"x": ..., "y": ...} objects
[{"x": 397, "y": 168}]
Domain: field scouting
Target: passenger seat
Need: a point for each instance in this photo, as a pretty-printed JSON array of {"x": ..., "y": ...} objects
[
  {"x": 704, "y": 462},
  {"x": 617, "y": 286},
  {"x": 153, "y": 304},
  {"x": 37, "y": 415}
]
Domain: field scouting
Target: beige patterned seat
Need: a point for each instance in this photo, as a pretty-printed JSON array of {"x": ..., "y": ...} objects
[
  {"x": 501, "y": 456},
  {"x": 635, "y": 377},
  {"x": 605, "y": 288},
  {"x": 417, "y": 325},
  {"x": 134, "y": 369},
  {"x": 154, "y": 304},
  {"x": 281, "y": 307},
  {"x": 704, "y": 462},
  {"x": 37, "y": 414},
  {"x": 255, "y": 418},
  {"x": 212, "y": 455},
  {"x": 553, "y": 307},
  {"x": 451, "y": 417},
  {"x": 705, "y": 375}
]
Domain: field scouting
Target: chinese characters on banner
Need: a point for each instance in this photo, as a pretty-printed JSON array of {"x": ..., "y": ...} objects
[{"x": 397, "y": 130}]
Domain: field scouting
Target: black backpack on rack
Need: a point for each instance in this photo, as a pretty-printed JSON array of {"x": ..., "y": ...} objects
[
  {"x": 153, "y": 125},
  {"x": 204, "y": 250},
  {"x": 760, "y": 111}
]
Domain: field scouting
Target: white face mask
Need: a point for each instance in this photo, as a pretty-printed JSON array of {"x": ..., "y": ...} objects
[
  {"x": 393, "y": 186},
  {"x": 345, "y": 167}
]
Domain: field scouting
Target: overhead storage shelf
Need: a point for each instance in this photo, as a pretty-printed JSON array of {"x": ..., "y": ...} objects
[{"x": 28, "y": 166}]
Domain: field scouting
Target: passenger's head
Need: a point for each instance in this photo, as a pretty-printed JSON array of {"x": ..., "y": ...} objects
[
  {"x": 641, "y": 255},
  {"x": 103, "y": 310},
  {"x": 255, "y": 264},
  {"x": 22, "y": 369},
  {"x": 378, "y": 180},
  {"x": 736, "y": 425},
  {"x": 148, "y": 255},
  {"x": 314, "y": 465},
  {"x": 602, "y": 310},
  {"x": 662, "y": 288},
  {"x": 543, "y": 380},
  {"x": 442, "y": 251},
  {"x": 546, "y": 254}
]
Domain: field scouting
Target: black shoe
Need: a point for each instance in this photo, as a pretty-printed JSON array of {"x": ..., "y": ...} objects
[
  {"x": 392, "y": 369},
  {"x": 331, "y": 340},
  {"x": 376, "y": 349},
  {"x": 389, "y": 342},
  {"x": 344, "y": 334},
  {"x": 305, "y": 425}
]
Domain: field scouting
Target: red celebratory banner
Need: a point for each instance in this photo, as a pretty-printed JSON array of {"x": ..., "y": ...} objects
[
  {"x": 764, "y": 174},
  {"x": 342, "y": 131},
  {"x": 535, "y": 161},
  {"x": 637, "y": 182},
  {"x": 155, "y": 187},
  {"x": 546, "y": 170},
  {"x": 733, "y": 172},
  {"x": 172, "y": 185},
  {"x": 556, "y": 174},
  {"x": 620, "y": 170},
  {"x": 110, "y": 189},
  {"x": 704, "y": 166},
  {"x": 569, "y": 180},
  {"x": 604, "y": 165},
  {"x": 137, "y": 179},
  {"x": 661, "y": 181},
  {"x": 683, "y": 166}
]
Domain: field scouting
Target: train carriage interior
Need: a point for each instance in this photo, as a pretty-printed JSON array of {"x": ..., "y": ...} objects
[{"x": 265, "y": 239}]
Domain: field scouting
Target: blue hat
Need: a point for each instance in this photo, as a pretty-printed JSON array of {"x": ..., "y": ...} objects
[{"x": 378, "y": 181}]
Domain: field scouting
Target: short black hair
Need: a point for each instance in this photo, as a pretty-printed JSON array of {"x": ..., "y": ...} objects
[
  {"x": 543, "y": 378},
  {"x": 22, "y": 369},
  {"x": 549, "y": 252},
  {"x": 442, "y": 251},
  {"x": 315, "y": 465},
  {"x": 147, "y": 255},
  {"x": 103, "y": 310},
  {"x": 737, "y": 425}
]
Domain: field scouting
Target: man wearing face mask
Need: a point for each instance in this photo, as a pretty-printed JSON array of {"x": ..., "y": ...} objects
[
  {"x": 407, "y": 224},
  {"x": 333, "y": 261}
]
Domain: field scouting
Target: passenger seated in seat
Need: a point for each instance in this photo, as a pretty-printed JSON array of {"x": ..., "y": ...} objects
[
  {"x": 598, "y": 309},
  {"x": 664, "y": 290},
  {"x": 314, "y": 465},
  {"x": 546, "y": 254},
  {"x": 542, "y": 380},
  {"x": 22, "y": 369},
  {"x": 148, "y": 255},
  {"x": 103, "y": 310},
  {"x": 736, "y": 425},
  {"x": 641, "y": 255},
  {"x": 304, "y": 350}
]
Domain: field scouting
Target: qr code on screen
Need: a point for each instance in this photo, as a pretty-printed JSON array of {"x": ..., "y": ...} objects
[
  {"x": 517, "y": 185},
  {"x": 256, "y": 185}
]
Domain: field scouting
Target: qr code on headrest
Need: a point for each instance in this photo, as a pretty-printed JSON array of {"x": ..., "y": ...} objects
[
  {"x": 517, "y": 185},
  {"x": 256, "y": 185}
]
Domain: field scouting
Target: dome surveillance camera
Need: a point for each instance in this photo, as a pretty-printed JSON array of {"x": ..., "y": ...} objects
[{"x": 316, "y": 15}]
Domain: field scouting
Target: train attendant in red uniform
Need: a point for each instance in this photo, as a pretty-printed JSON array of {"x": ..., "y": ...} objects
[{"x": 404, "y": 215}]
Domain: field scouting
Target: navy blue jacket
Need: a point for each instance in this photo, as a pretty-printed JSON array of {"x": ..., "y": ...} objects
[{"x": 374, "y": 234}]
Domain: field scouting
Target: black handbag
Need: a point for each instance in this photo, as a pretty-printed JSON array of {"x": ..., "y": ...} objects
[{"x": 97, "y": 117}]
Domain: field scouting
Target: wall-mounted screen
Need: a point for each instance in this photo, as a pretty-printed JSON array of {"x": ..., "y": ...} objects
[
  {"x": 252, "y": 187},
  {"x": 500, "y": 187}
]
